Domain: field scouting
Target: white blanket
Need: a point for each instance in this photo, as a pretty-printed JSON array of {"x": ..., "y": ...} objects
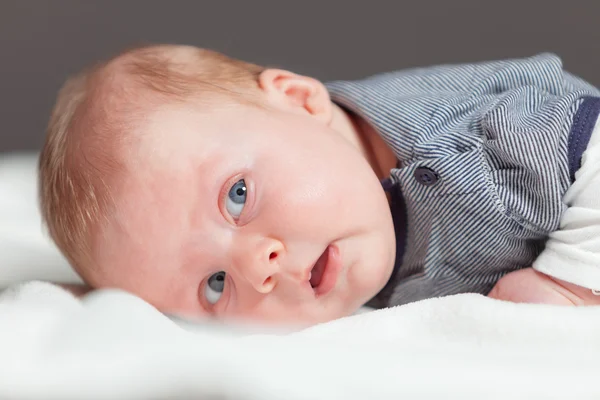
[{"x": 112, "y": 345}]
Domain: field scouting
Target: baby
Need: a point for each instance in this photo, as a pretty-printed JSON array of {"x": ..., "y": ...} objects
[{"x": 210, "y": 186}]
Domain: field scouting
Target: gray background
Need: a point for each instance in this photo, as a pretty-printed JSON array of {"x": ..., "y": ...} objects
[{"x": 43, "y": 41}]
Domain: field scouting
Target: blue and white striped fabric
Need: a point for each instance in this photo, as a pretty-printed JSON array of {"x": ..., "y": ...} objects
[{"x": 486, "y": 152}]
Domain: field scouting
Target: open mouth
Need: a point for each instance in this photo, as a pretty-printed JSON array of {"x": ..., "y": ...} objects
[
  {"x": 316, "y": 274},
  {"x": 324, "y": 274}
]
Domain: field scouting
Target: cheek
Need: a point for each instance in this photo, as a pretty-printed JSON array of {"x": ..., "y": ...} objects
[
  {"x": 272, "y": 310},
  {"x": 327, "y": 187},
  {"x": 297, "y": 201}
]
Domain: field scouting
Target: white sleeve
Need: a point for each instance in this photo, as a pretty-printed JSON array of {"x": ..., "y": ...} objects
[{"x": 572, "y": 253}]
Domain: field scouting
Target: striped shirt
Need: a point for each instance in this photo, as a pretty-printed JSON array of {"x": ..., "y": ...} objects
[{"x": 485, "y": 152}]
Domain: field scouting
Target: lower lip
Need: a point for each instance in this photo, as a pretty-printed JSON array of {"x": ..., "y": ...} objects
[{"x": 331, "y": 272}]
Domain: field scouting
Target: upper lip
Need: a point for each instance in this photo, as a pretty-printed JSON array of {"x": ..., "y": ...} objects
[{"x": 305, "y": 275}]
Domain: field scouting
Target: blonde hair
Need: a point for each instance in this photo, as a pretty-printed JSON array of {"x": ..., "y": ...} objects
[{"x": 79, "y": 158}]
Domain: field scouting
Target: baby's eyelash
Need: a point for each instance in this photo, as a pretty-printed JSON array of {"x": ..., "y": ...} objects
[{"x": 236, "y": 211}]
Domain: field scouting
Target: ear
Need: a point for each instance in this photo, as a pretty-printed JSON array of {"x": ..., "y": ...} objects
[{"x": 296, "y": 93}]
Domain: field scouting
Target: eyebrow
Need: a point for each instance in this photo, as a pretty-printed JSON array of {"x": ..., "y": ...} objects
[{"x": 212, "y": 189}]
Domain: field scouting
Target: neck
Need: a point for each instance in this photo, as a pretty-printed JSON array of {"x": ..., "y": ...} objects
[{"x": 365, "y": 139}]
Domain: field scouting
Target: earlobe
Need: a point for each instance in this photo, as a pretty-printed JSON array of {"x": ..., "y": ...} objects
[{"x": 296, "y": 93}]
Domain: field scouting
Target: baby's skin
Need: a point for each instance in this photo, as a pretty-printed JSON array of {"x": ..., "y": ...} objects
[{"x": 273, "y": 213}]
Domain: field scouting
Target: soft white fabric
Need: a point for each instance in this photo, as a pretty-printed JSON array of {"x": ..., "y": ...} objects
[
  {"x": 25, "y": 251},
  {"x": 573, "y": 252},
  {"x": 113, "y": 345}
]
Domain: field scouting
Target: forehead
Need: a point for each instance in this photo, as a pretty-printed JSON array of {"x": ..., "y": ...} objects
[
  {"x": 166, "y": 171},
  {"x": 174, "y": 134}
]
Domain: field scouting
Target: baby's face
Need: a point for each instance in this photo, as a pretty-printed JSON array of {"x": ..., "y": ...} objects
[{"x": 247, "y": 214}]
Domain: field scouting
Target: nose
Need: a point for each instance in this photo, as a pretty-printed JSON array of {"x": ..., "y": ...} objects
[{"x": 258, "y": 261}]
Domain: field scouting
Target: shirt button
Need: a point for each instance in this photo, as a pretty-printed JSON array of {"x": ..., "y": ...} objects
[{"x": 426, "y": 176}]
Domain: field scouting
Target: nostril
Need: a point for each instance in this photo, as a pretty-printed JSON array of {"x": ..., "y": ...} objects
[
  {"x": 267, "y": 281},
  {"x": 272, "y": 256}
]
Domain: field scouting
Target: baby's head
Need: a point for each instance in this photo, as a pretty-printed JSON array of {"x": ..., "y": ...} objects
[{"x": 210, "y": 186}]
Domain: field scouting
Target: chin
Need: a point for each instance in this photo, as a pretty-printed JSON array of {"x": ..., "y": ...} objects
[{"x": 366, "y": 289}]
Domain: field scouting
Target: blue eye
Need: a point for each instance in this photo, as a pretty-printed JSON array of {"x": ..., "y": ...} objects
[
  {"x": 236, "y": 199},
  {"x": 214, "y": 287}
]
